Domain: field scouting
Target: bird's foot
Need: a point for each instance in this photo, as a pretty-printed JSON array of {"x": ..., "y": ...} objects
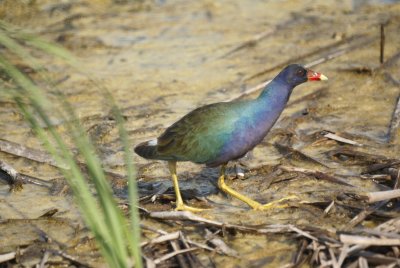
[
  {"x": 276, "y": 203},
  {"x": 183, "y": 207}
]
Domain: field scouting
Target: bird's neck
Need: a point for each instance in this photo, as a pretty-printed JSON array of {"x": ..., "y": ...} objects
[
  {"x": 259, "y": 115},
  {"x": 275, "y": 95}
]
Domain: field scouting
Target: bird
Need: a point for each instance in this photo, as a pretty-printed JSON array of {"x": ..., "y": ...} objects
[{"x": 217, "y": 133}]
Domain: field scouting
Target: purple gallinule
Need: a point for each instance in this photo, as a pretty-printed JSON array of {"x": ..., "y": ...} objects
[{"x": 218, "y": 133}]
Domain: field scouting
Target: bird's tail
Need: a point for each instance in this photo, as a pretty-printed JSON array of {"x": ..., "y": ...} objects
[{"x": 147, "y": 149}]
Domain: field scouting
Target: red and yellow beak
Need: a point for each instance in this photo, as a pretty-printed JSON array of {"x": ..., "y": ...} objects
[{"x": 314, "y": 76}]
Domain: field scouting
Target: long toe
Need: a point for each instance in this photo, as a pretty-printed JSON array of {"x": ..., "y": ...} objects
[
  {"x": 184, "y": 207},
  {"x": 277, "y": 203}
]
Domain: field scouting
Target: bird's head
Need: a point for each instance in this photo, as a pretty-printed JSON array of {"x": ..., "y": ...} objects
[{"x": 296, "y": 74}]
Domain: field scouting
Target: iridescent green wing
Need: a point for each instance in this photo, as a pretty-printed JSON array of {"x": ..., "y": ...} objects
[{"x": 200, "y": 135}]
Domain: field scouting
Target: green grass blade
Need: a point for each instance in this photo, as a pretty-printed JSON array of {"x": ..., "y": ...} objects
[
  {"x": 85, "y": 199},
  {"x": 134, "y": 235},
  {"x": 16, "y": 48},
  {"x": 50, "y": 48},
  {"x": 115, "y": 239},
  {"x": 76, "y": 180},
  {"x": 113, "y": 215}
]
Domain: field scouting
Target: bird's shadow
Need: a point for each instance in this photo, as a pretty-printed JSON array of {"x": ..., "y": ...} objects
[{"x": 192, "y": 185}]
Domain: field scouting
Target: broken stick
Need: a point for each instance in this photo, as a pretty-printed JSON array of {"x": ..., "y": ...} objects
[{"x": 382, "y": 195}]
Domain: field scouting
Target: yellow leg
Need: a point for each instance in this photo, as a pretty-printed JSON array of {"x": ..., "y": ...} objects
[
  {"x": 179, "y": 202},
  {"x": 252, "y": 203}
]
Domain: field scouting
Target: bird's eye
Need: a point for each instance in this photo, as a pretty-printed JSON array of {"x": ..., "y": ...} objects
[{"x": 300, "y": 72}]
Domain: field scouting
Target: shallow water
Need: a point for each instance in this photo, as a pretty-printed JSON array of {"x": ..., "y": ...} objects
[{"x": 161, "y": 60}]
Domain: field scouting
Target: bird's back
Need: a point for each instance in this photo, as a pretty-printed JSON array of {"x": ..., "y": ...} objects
[{"x": 199, "y": 136}]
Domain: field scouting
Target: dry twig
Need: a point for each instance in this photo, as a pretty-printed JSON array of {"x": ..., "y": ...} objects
[
  {"x": 44, "y": 259},
  {"x": 28, "y": 153},
  {"x": 290, "y": 151},
  {"x": 317, "y": 174},
  {"x": 172, "y": 254},
  {"x": 365, "y": 213},
  {"x": 253, "y": 41},
  {"x": 188, "y": 216},
  {"x": 335, "y": 137},
  {"x": 7, "y": 256},
  {"x": 382, "y": 44},
  {"x": 382, "y": 195},
  {"x": 220, "y": 244},
  {"x": 369, "y": 241},
  {"x": 162, "y": 238}
]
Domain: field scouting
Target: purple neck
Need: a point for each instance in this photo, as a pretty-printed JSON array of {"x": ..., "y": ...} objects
[{"x": 274, "y": 97}]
